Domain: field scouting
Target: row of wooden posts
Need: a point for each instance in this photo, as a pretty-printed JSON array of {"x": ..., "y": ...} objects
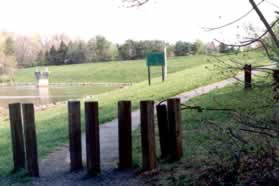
[{"x": 24, "y": 143}]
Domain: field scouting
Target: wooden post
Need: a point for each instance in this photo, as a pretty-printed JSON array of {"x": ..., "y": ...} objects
[
  {"x": 175, "y": 131},
  {"x": 275, "y": 92},
  {"x": 30, "y": 139},
  {"x": 125, "y": 134},
  {"x": 92, "y": 138},
  {"x": 17, "y": 136},
  {"x": 149, "y": 76},
  {"x": 248, "y": 76},
  {"x": 163, "y": 127},
  {"x": 148, "y": 135},
  {"x": 275, "y": 85},
  {"x": 75, "y": 135}
]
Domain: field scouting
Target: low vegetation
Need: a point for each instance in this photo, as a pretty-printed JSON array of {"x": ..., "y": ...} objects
[{"x": 214, "y": 153}]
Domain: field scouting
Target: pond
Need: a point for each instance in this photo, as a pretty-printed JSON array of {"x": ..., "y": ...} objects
[{"x": 45, "y": 96}]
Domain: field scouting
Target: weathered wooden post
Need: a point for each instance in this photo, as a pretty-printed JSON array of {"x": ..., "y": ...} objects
[
  {"x": 163, "y": 126},
  {"x": 30, "y": 139},
  {"x": 92, "y": 138},
  {"x": 275, "y": 90},
  {"x": 175, "y": 131},
  {"x": 248, "y": 76},
  {"x": 17, "y": 136},
  {"x": 148, "y": 135},
  {"x": 75, "y": 135},
  {"x": 276, "y": 85},
  {"x": 125, "y": 134}
]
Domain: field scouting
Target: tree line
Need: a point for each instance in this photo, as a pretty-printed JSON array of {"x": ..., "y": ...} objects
[
  {"x": 99, "y": 49},
  {"x": 60, "y": 49}
]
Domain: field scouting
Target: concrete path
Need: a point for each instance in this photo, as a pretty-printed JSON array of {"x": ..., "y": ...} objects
[{"x": 54, "y": 169}]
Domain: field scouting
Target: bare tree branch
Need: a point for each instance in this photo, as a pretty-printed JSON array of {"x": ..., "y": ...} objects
[
  {"x": 135, "y": 3},
  {"x": 234, "y": 21}
]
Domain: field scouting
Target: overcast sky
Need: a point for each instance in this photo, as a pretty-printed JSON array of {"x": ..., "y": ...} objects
[{"x": 168, "y": 20}]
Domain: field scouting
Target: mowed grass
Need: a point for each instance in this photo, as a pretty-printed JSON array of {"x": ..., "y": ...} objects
[
  {"x": 116, "y": 71},
  {"x": 199, "y": 138},
  {"x": 51, "y": 124}
]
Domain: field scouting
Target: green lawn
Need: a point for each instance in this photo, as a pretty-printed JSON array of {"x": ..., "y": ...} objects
[
  {"x": 51, "y": 124},
  {"x": 117, "y": 71},
  {"x": 199, "y": 137}
]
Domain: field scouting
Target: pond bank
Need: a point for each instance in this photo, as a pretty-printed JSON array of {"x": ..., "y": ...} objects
[{"x": 69, "y": 84}]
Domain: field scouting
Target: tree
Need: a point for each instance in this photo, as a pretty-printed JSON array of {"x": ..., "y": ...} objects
[
  {"x": 9, "y": 47},
  {"x": 7, "y": 67},
  {"x": 51, "y": 56},
  {"x": 26, "y": 50},
  {"x": 128, "y": 50},
  {"x": 76, "y": 53},
  {"x": 211, "y": 48},
  {"x": 182, "y": 48},
  {"x": 223, "y": 48},
  {"x": 61, "y": 54},
  {"x": 198, "y": 47},
  {"x": 41, "y": 58},
  {"x": 99, "y": 49}
]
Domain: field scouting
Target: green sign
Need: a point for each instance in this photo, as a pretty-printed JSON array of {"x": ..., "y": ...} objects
[{"x": 156, "y": 59}]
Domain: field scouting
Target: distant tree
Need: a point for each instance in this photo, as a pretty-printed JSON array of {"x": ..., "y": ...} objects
[
  {"x": 223, "y": 48},
  {"x": 61, "y": 54},
  {"x": 26, "y": 50},
  {"x": 182, "y": 48},
  {"x": 198, "y": 47},
  {"x": 9, "y": 47},
  {"x": 139, "y": 49},
  {"x": 52, "y": 56},
  {"x": 76, "y": 53},
  {"x": 128, "y": 50},
  {"x": 211, "y": 48},
  {"x": 41, "y": 58},
  {"x": 56, "y": 40},
  {"x": 99, "y": 49},
  {"x": 7, "y": 67}
]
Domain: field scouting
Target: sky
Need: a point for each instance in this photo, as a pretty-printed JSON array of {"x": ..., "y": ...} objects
[{"x": 169, "y": 20}]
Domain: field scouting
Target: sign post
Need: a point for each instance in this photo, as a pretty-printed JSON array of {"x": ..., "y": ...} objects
[
  {"x": 157, "y": 59},
  {"x": 166, "y": 63}
]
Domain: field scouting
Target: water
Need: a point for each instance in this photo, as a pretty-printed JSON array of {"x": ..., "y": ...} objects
[{"x": 45, "y": 96}]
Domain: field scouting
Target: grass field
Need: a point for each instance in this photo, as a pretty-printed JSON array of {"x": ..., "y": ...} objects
[
  {"x": 117, "y": 71},
  {"x": 199, "y": 138},
  {"x": 51, "y": 124}
]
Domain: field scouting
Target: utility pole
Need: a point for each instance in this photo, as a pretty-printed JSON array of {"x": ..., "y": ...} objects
[{"x": 268, "y": 27}]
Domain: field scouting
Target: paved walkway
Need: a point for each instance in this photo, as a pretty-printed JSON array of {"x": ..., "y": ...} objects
[{"x": 54, "y": 169}]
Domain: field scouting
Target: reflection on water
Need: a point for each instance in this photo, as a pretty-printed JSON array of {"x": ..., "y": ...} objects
[{"x": 44, "y": 95}]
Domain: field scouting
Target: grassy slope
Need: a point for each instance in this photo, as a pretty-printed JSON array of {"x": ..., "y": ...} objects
[
  {"x": 120, "y": 71},
  {"x": 196, "y": 137}
]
